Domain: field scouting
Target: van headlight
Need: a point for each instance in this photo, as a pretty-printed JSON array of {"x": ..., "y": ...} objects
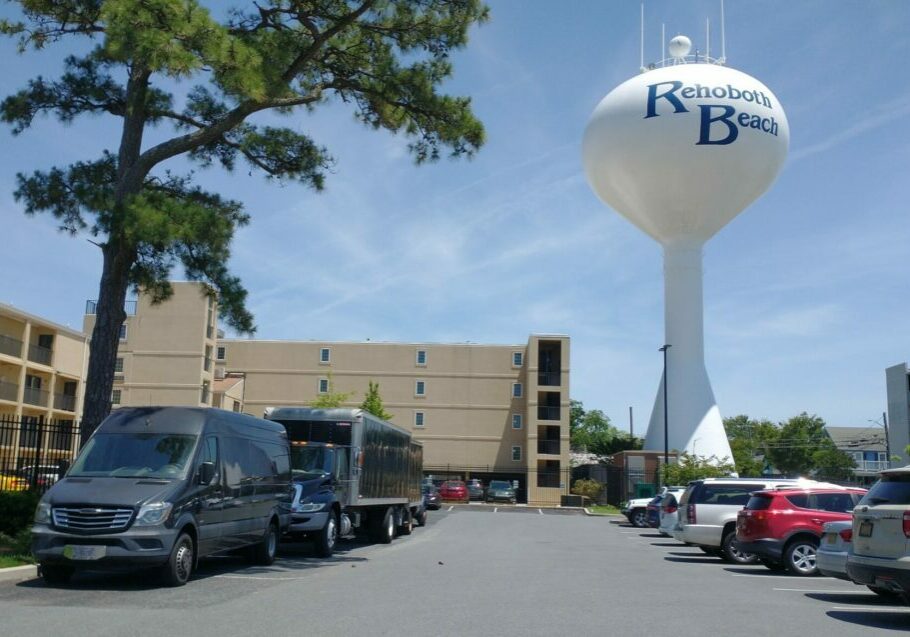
[
  {"x": 154, "y": 513},
  {"x": 43, "y": 513},
  {"x": 308, "y": 507}
]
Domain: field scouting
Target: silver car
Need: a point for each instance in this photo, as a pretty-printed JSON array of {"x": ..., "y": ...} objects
[
  {"x": 831, "y": 556},
  {"x": 881, "y": 535},
  {"x": 669, "y": 510}
]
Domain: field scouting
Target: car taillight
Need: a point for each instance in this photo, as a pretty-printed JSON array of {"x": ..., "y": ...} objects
[
  {"x": 906, "y": 523},
  {"x": 690, "y": 514},
  {"x": 670, "y": 508},
  {"x": 847, "y": 534}
]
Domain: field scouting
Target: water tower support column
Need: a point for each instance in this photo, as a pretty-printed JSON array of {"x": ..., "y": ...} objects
[{"x": 693, "y": 411}]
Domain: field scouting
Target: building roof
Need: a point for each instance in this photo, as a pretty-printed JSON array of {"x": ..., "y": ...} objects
[
  {"x": 857, "y": 438},
  {"x": 221, "y": 385}
]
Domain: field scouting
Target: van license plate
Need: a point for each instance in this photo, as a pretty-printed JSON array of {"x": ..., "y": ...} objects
[
  {"x": 79, "y": 552},
  {"x": 865, "y": 529}
]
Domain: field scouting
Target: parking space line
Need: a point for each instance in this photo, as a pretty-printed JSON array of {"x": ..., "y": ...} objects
[
  {"x": 451, "y": 506},
  {"x": 256, "y": 577},
  {"x": 825, "y": 590},
  {"x": 903, "y": 610},
  {"x": 495, "y": 509},
  {"x": 540, "y": 511},
  {"x": 762, "y": 576}
]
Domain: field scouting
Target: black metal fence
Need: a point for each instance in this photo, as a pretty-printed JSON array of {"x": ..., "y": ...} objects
[{"x": 35, "y": 453}]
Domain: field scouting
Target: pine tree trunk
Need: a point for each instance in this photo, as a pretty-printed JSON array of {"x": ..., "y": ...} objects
[{"x": 109, "y": 316}]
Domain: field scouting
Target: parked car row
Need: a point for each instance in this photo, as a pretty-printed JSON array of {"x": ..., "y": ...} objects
[
  {"x": 802, "y": 527},
  {"x": 459, "y": 491}
]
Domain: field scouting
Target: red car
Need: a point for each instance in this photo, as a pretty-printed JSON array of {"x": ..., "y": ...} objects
[
  {"x": 783, "y": 526},
  {"x": 454, "y": 490}
]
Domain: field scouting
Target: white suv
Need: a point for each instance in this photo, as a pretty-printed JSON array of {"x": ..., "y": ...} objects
[
  {"x": 880, "y": 556},
  {"x": 708, "y": 509}
]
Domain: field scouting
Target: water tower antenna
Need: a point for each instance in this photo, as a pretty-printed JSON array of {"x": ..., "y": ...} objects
[
  {"x": 723, "y": 35},
  {"x": 642, "y": 48},
  {"x": 663, "y": 42},
  {"x": 707, "y": 39}
]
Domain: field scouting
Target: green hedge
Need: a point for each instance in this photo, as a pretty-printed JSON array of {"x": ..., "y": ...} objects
[{"x": 17, "y": 510}]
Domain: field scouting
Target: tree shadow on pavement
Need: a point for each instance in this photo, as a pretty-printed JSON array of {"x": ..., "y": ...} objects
[{"x": 874, "y": 619}]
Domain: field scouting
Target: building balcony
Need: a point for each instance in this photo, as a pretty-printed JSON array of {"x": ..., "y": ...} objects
[
  {"x": 9, "y": 391},
  {"x": 548, "y": 479},
  {"x": 10, "y": 346},
  {"x": 91, "y": 307},
  {"x": 207, "y": 365},
  {"x": 872, "y": 465},
  {"x": 209, "y": 331},
  {"x": 40, "y": 355},
  {"x": 549, "y": 379},
  {"x": 37, "y": 397},
  {"x": 64, "y": 402},
  {"x": 549, "y": 447},
  {"x": 548, "y": 413}
]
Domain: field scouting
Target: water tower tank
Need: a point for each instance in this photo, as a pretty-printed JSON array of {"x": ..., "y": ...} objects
[{"x": 679, "y": 151}]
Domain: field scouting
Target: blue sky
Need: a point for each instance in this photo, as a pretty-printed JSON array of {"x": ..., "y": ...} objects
[{"x": 807, "y": 295}]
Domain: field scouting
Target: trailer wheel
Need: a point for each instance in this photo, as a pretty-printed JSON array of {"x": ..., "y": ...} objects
[
  {"x": 384, "y": 527},
  {"x": 422, "y": 518},
  {"x": 407, "y": 523}
]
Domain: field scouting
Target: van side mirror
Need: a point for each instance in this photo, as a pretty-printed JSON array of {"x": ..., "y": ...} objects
[{"x": 206, "y": 472}]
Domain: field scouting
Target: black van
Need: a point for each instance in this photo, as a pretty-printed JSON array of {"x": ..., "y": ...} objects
[{"x": 164, "y": 486}]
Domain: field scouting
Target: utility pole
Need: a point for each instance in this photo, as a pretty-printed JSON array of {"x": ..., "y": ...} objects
[
  {"x": 887, "y": 438},
  {"x": 666, "y": 426},
  {"x": 631, "y": 435}
]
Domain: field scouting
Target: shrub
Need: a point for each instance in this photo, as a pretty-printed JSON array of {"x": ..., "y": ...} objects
[
  {"x": 590, "y": 489},
  {"x": 17, "y": 510},
  {"x": 19, "y": 544}
]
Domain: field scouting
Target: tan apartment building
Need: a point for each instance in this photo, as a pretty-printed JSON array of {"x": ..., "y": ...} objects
[
  {"x": 481, "y": 410},
  {"x": 42, "y": 371},
  {"x": 166, "y": 351}
]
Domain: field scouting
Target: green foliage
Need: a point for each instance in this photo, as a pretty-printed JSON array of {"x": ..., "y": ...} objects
[
  {"x": 387, "y": 58},
  {"x": 691, "y": 467},
  {"x": 800, "y": 439},
  {"x": 832, "y": 464},
  {"x": 331, "y": 398},
  {"x": 591, "y": 489},
  {"x": 17, "y": 510},
  {"x": 591, "y": 431},
  {"x": 18, "y": 544},
  {"x": 372, "y": 402},
  {"x": 749, "y": 440}
]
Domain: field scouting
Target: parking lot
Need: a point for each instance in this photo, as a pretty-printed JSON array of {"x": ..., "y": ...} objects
[{"x": 474, "y": 570}]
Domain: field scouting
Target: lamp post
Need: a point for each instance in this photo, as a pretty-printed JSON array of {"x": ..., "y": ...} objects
[{"x": 666, "y": 428}]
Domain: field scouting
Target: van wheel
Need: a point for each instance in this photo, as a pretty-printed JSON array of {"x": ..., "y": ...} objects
[
  {"x": 422, "y": 518},
  {"x": 179, "y": 566},
  {"x": 325, "y": 541},
  {"x": 264, "y": 552},
  {"x": 731, "y": 552},
  {"x": 407, "y": 523},
  {"x": 56, "y": 574},
  {"x": 384, "y": 527}
]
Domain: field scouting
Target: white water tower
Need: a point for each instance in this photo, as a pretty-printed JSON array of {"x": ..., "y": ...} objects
[{"x": 680, "y": 150}]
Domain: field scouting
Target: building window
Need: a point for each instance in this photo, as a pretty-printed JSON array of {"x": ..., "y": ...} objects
[
  {"x": 236, "y": 406},
  {"x": 420, "y": 388},
  {"x": 118, "y": 365},
  {"x": 323, "y": 385},
  {"x": 516, "y": 390},
  {"x": 115, "y": 397},
  {"x": 219, "y": 353},
  {"x": 516, "y": 421},
  {"x": 516, "y": 453},
  {"x": 421, "y": 357},
  {"x": 517, "y": 359},
  {"x": 418, "y": 419},
  {"x": 123, "y": 332},
  {"x": 325, "y": 355}
]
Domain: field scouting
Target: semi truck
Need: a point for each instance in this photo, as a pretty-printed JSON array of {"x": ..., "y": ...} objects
[{"x": 352, "y": 472}]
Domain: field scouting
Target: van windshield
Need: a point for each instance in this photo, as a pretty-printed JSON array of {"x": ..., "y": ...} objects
[
  {"x": 309, "y": 462},
  {"x": 134, "y": 455}
]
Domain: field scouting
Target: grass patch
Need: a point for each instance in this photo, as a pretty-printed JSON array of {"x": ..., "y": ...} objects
[
  {"x": 605, "y": 509},
  {"x": 7, "y": 561}
]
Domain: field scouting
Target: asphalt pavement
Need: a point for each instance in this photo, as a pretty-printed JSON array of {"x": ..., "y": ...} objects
[{"x": 472, "y": 571}]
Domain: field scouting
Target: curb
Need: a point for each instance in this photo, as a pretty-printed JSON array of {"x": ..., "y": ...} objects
[{"x": 18, "y": 573}]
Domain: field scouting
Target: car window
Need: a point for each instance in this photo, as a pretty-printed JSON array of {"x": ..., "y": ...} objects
[
  {"x": 730, "y": 494},
  {"x": 891, "y": 489},
  {"x": 758, "y": 503},
  {"x": 800, "y": 500},
  {"x": 834, "y": 502}
]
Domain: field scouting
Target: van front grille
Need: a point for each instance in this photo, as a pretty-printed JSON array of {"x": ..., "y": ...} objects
[{"x": 92, "y": 519}]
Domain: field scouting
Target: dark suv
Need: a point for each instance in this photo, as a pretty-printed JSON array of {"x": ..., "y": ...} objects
[
  {"x": 475, "y": 489},
  {"x": 783, "y": 526}
]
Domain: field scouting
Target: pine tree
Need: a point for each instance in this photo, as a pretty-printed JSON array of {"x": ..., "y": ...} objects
[{"x": 385, "y": 57}]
